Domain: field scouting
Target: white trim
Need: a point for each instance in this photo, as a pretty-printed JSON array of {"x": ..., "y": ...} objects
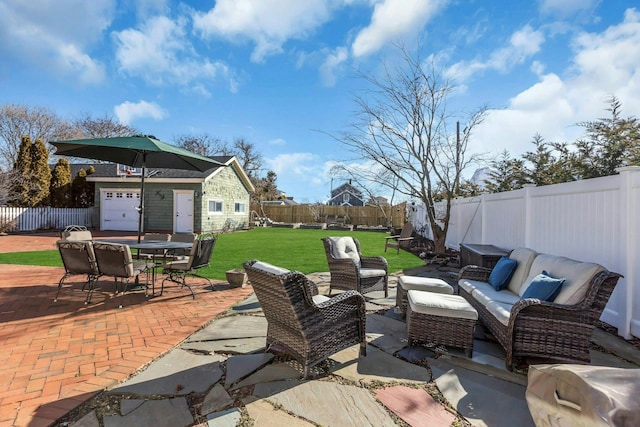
[{"x": 210, "y": 212}]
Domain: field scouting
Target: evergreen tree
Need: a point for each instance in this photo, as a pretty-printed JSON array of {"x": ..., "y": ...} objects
[
  {"x": 80, "y": 191},
  {"x": 506, "y": 174},
  {"x": 60, "y": 188},
  {"x": 40, "y": 176},
  {"x": 19, "y": 188},
  {"x": 609, "y": 143},
  {"x": 547, "y": 168}
]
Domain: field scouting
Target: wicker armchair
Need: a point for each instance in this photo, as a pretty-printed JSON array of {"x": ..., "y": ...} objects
[
  {"x": 301, "y": 323},
  {"x": 545, "y": 329},
  {"x": 350, "y": 270}
]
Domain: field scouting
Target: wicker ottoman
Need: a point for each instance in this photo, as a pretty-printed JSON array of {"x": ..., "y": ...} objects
[
  {"x": 407, "y": 283},
  {"x": 440, "y": 319}
]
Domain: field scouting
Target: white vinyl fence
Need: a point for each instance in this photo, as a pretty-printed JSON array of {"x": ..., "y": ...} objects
[
  {"x": 32, "y": 219},
  {"x": 596, "y": 220}
]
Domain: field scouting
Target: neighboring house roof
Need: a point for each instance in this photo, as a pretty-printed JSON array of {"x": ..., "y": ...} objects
[
  {"x": 107, "y": 172},
  {"x": 288, "y": 202},
  {"x": 346, "y": 194}
]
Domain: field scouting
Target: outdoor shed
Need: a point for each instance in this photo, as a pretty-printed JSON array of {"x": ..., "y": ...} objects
[{"x": 175, "y": 200}]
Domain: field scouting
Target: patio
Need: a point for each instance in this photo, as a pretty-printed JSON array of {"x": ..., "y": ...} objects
[{"x": 209, "y": 366}]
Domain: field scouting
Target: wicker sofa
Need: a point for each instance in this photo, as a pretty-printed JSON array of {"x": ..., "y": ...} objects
[{"x": 532, "y": 327}]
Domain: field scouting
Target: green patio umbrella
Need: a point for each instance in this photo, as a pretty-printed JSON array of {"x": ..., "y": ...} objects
[{"x": 138, "y": 151}]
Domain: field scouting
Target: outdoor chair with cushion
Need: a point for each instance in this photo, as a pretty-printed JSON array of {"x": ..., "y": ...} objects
[
  {"x": 78, "y": 258},
  {"x": 199, "y": 257},
  {"x": 115, "y": 260},
  {"x": 400, "y": 241},
  {"x": 76, "y": 232},
  {"x": 301, "y": 323},
  {"x": 350, "y": 270},
  {"x": 184, "y": 237},
  {"x": 151, "y": 254}
]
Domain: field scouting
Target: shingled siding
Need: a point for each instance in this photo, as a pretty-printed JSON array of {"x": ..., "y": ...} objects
[{"x": 227, "y": 187}]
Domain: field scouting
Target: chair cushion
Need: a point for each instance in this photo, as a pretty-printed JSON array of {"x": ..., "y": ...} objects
[
  {"x": 486, "y": 294},
  {"x": 345, "y": 247},
  {"x": 269, "y": 268},
  {"x": 525, "y": 257},
  {"x": 319, "y": 299},
  {"x": 502, "y": 272},
  {"x": 501, "y": 311},
  {"x": 544, "y": 287},
  {"x": 372, "y": 272}
]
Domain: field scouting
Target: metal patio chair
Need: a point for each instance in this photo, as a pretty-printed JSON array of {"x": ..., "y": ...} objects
[
  {"x": 177, "y": 271},
  {"x": 78, "y": 258}
]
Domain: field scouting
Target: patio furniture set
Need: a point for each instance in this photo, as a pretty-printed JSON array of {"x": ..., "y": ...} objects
[
  {"x": 178, "y": 256},
  {"x": 526, "y": 317}
]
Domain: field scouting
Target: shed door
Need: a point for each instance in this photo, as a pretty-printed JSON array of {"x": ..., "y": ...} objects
[
  {"x": 183, "y": 211},
  {"x": 118, "y": 209}
]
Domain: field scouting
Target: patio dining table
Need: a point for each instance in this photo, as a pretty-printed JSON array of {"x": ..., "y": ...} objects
[{"x": 155, "y": 246}]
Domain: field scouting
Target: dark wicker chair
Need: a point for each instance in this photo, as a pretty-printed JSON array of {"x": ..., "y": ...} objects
[
  {"x": 306, "y": 326},
  {"x": 350, "y": 270},
  {"x": 545, "y": 329}
]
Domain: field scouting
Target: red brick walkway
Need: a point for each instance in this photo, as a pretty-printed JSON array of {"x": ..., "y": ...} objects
[{"x": 55, "y": 356}]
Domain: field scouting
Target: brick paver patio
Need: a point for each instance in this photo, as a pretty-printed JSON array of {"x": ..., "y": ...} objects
[{"x": 55, "y": 356}]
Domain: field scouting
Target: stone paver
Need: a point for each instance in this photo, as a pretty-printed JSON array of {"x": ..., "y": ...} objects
[
  {"x": 376, "y": 366},
  {"x": 339, "y": 405},
  {"x": 239, "y": 367},
  {"x": 265, "y": 414},
  {"x": 481, "y": 399},
  {"x": 227, "y": 418},
  {"x": 215, "y": 400},
  {"x": 416, "y": 407},
  {"x": 273, "y": 372},
  {"x": 177, "y": 373},
  {"x": 152, "y": 413}
]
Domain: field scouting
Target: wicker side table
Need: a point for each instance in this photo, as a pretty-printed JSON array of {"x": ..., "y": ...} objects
[
  {"x": 429, "y": 284},
  {"x": 440, "y": 319}
]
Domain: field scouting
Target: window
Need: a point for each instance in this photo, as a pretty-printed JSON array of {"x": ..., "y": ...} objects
[
  {"x": 239, "y": 208},
  {"x": 215, "y": 206}
]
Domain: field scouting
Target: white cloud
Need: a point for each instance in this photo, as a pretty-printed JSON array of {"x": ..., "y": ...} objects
[
  {"x": 604, "y": 64},
  {"x": 57, "y": 36},
  {"x": 277, "y": 141},
  {"x": 523, "y": 44},
  {"x": 266, "y": 23},
  {"x": 128, "y": 112},
  {"x": 160, "y": 53},
  {"x": 393, "y": 20},
  {"x": 565, "y": 8},
  {"x": 333, "y": 63}
]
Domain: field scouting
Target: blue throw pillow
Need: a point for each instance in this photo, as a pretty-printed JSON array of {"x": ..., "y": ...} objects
[
  {"x": 502, "y": 272},
  {"x": 544, "y": 287}
]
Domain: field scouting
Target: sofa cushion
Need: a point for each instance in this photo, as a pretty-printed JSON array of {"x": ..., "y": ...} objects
[
  {"x": 577, "y": 275},
  {"x": 525, "y": 257},
  {"x": 469, "y": 285},
  {"x": 501, "y": 311},
  {"x": 372, "y": 272},
  {"x": 486, "y": 294},
  {"x": 544, "y": 287},
  {"x": 502, "y": 272}
]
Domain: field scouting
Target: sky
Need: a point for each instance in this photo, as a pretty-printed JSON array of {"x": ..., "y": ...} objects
[{"x": 283, "y": 74}]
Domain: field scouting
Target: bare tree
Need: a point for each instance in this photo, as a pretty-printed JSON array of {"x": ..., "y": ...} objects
[
  {"x": 202, "y": 144},
  {"x": 101, "y": 127},
  {"x": 250, "y": 160},
  {"x": 403, "y": 129},
  {"x": 18, "y": 121}
]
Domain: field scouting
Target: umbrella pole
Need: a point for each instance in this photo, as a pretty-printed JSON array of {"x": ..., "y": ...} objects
[{"x": 141, "y": 209}]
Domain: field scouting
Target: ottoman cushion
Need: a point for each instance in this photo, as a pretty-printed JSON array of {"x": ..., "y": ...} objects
[
  {"x": 425, "y": 284},
  {"x": 453, "y": 306}
]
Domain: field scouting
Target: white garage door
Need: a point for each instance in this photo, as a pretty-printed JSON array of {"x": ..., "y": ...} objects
[{"x": 118, "y": 210}]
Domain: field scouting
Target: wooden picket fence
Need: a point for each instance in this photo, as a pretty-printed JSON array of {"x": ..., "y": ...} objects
[{"x": 369, "y": 216}]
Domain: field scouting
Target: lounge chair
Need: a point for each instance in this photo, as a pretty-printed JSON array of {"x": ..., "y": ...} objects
[{"x": 400, "y": 241}]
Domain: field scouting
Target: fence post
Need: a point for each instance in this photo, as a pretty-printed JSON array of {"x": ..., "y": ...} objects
[
  {"x": 528, "y": 217},
  {"x": 628, "y": 231},
  {"x": 483, "y": 212}
]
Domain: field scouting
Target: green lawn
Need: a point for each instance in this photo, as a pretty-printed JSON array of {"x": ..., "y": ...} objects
[{"x": 295, "y": 249}]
